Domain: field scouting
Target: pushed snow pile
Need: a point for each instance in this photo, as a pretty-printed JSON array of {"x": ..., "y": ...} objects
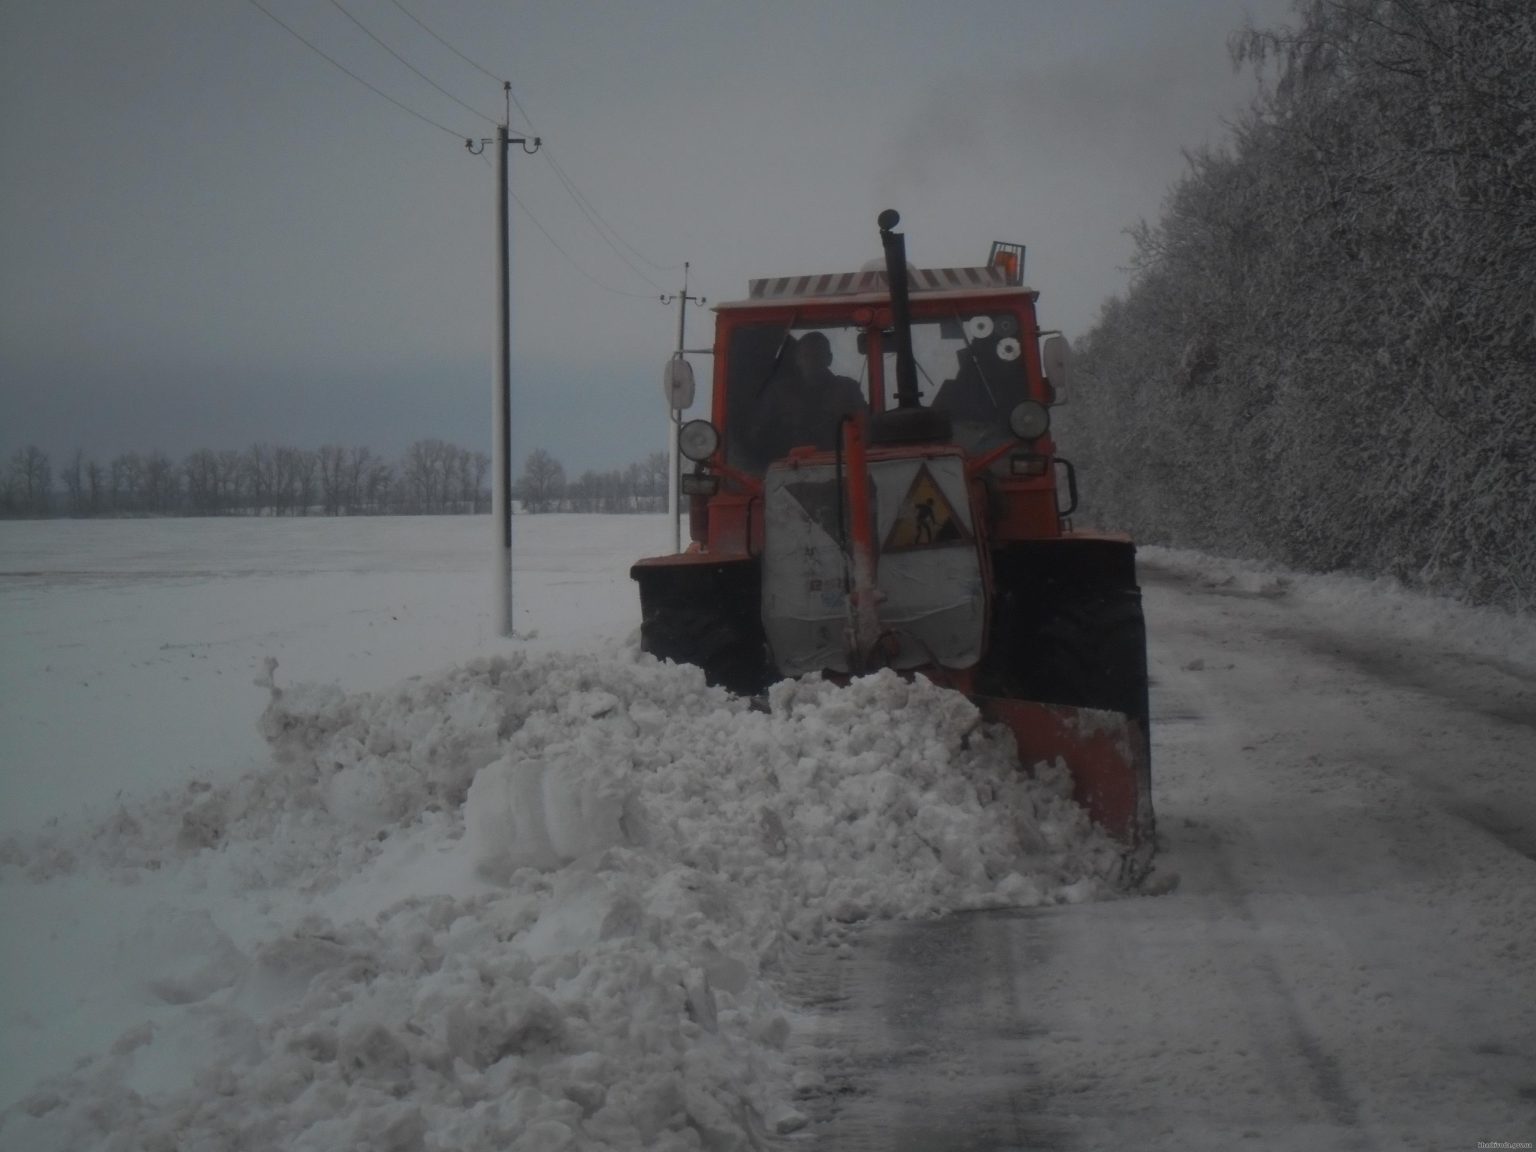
[
  {"x": 884, "y": 798},
  {"x": 543, "y": 904}
]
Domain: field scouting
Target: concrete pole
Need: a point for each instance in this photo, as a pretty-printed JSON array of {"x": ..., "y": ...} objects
[
  {"x": 501, "y": 407},
  {"x": 674, "y": 472}
]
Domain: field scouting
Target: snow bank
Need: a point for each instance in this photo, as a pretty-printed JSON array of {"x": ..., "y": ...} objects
[
  {"x": 1381, "y": 605},
  {"x": 539, "y": 903}
]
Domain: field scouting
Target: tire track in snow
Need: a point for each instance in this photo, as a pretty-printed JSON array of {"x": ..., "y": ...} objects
[
  {"x": 921, "y": 1040},
  {"x": 1304, "y": 1066}
]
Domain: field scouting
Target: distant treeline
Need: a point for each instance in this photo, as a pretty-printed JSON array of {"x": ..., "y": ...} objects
[
  {"x": 1328, "y": 353},
  {"x": 432, "y": 478},
  {"x": 641, "y": 487}
]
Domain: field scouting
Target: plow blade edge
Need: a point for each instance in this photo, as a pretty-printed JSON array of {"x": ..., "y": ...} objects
[{"x": 1107, "y": 754}]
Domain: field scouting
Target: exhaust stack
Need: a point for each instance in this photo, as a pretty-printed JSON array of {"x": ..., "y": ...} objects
[
  {"x": 895, "y": 245},
  {"x": 909, "y": 422}
]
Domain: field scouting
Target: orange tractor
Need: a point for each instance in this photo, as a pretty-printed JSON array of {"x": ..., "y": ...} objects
[{"x": 878, "y": 487}]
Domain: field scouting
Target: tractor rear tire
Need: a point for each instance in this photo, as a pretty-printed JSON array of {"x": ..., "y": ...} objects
[
  {"x": 707, "y": 615},
  {"x": 1067, "y": 627},
  {"x": 704, "y": 636},
  {"x": 1090, "y": 652}
]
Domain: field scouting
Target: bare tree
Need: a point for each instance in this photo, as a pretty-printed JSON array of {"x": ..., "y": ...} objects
[
  {"x": 469, "y": 478},
  {"x": 423, "y": 474},
  {"x": 476, "y": 465},
  {"x": 95, "y": 488},
  {"x": 232, "y": 489},
  {"x": 360, "y": 481},
  {"x": 656, "y": 481},
  {"x": 73, "y": 478},
  {"x": 200, "y": 472},
  {"x": 256, "y": 469},
  {"x": 331, "y": 461},
  {"x": 125, "y": 480},
  {"x": 31, "y": 481},
  {"x": 285, "y": 479},
  {"x": 585, "y": 493},
  {"x": 159, "y": 489},
  {"x": 543, "y": 482},
  {"x": 378, "y": 483},
  {"x": 305, "y": 465}
]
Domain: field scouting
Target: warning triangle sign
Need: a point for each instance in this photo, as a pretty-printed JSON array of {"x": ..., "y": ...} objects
[{"x": 926, "y": 518}]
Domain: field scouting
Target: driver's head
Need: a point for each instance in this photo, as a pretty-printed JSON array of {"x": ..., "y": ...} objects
[{"x": 814, "y": 353}]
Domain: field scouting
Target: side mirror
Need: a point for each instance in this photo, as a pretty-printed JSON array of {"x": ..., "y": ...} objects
[
  {"x": 677, "y": 384},
  {"x": 1056, "y": 358}
]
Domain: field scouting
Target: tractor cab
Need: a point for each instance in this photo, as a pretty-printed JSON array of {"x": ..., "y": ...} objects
[{"x": 803, "y": 354}]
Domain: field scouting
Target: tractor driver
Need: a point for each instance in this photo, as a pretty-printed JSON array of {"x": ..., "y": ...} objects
[
  {"x": 800, "y": 404},
  {"x": 982, "y": 392},
  {"x": 821, "y": 397}
]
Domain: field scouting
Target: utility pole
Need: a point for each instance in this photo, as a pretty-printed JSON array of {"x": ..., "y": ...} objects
[
  {"x": 675, "y": 415},
  {"x": 501, "y": 398}
]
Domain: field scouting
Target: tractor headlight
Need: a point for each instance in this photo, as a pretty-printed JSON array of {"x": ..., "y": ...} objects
[
  {"x": 698, "y": 440},
  {"x": 1030, "y": 420}
]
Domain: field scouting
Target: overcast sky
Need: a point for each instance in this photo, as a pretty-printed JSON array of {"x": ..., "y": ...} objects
[{"x": 210, "y": 236}]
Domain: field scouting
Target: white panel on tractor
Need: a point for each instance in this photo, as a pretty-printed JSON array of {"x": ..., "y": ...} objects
[
  {"x": 931, "y": 598},
  {"x": 805, "y": 602}
]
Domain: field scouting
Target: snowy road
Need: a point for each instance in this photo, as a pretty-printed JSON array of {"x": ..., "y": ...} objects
[{"x": 1348, "y": 960}]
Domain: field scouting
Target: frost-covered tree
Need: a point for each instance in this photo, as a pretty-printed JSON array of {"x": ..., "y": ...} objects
[{"x": 1328, "y": 352}]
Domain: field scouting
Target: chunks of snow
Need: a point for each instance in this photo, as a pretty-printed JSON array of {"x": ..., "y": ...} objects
[
  {"x": 541, "y": 903},
  {"x": 519, "y": 814},
  {"x": 184, "y": 955}
]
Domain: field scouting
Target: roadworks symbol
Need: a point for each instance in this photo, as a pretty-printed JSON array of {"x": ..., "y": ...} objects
[{"x": 926, "y": 519}]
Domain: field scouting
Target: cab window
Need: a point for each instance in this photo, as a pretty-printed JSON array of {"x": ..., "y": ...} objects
[{"x": 790, "y": 387}]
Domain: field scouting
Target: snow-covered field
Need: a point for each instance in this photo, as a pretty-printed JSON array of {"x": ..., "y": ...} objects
[{"x": 416, "y": 886}]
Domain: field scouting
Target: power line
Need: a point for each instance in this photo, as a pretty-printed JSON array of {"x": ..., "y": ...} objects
[
  {"x": 596, "y": 221},
  {"x": 605, "y": 231},
  {"x": 338, "y": 64},
  {"x": 599, "y": 224},
  {"x": 450, "y": 47},
  {"x": 591, "y": 210},
  {"x": 518, "y": 104},
  {"x": 555, "y": 244},
  {"x": 475, "y": 111},
  {"x": 567, "y": 255},
  {"x": 585, "y": 206}
]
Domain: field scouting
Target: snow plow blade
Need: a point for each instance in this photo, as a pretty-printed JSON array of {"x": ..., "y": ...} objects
[{"x": 1107, "y": 753}]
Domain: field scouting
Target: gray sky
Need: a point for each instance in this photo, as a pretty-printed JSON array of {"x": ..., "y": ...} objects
[{"x": 211, "y": 236}]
